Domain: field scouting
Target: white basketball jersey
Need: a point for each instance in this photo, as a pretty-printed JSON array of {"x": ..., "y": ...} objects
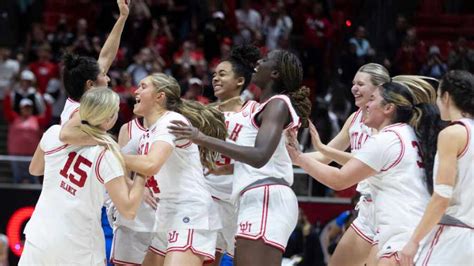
[
  {"x": 70, "y": 108},
  {"x": 461, "y": 205},
  {"x": 145, "y": 219},
  {"x": 279, "y": 165},
  {"x": 399, "y": 186},
  {"x": 358, "y": 134},
  {"x": 67, "y": 217},
  {"x": 135, "y": 128},
  {"x": 221, "y": 185},
  {"x": 185, "y": 199}
]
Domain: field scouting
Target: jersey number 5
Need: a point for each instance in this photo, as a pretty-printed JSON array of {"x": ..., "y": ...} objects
[{"x": 79, "y": 176}]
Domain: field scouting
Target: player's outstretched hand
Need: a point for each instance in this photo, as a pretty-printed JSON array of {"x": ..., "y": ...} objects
[
  {"x": 408, "y": 253},
  {"x": 293, "y": 146},
  {"x": 184, "y": 131},
  {"x": 124, "y": 7},
  {"x": 315, "y": 139}
]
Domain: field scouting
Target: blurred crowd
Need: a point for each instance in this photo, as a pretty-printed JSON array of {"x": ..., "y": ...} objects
[{"x": 187, "y": 39}]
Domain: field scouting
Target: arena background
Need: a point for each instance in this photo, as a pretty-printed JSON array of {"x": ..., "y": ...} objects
[{"x": 188, "y": 38}]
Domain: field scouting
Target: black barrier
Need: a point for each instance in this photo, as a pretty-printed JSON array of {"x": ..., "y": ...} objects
[{"x": 17, "y": 205}]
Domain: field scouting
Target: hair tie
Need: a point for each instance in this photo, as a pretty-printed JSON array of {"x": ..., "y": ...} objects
[{"x": 84, "y": 122}]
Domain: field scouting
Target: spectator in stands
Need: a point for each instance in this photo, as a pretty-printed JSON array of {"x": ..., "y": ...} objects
[
  {"x": 61, "y": 37},
  {"x": 195, "y": 91},
  {"x": 362, "y": 45},
  {"x": 396, "y": 36},
  {"x": 123, "y": 86},
  {"x": 160, "y": 38},
  {"x": 461, "y": 57},
  {"x": 317, "y": 34},
  {"x": 34, "y": 39},
  {"x": 82, "y": 44},
  {"x": 25, "y": 89},
  {"x": 3, "y": 250},
  {"x": 249, "y": 23},
  {"x": 276, "y": 29},
  {"x": 43, "y": 68},
  {"x": 56, "y": 97},
  {"x": 9, "y": 68},
  {"x": 410, "y": 55},
  {"x": 144, "y": 64},
  {"x": 24, "y": 133},
  {"x": 434, "y": 66},
  {"x": 215, "y": 31},
  {"x": 190, "y": 56}
]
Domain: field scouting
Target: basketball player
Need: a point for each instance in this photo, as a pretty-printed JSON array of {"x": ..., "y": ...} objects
[
  {"x": 356, "y": 243},
  {"x": 392, "y": 160},
  {"x": 364, "y": 225},
  {"x": 262, "y": 169},
  {"x": 230, "y": 77},
  {"x": 133, "y": 237},
  {"x": 186, "y": 230},
  {"x": 66, "y": 227},
  {"x": 449, "y": 217},
  {"x": 81, "y": 73}
]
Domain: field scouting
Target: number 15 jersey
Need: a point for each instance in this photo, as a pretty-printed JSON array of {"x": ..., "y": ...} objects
[{"x": 67, "y": 217}]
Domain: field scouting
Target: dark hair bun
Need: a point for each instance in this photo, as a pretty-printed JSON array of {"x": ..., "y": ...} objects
[
  {"x": 247, "y": 55},
  {"x": 70, "y": 60}
]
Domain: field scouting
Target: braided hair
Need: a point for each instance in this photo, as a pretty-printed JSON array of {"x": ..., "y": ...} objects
[{"x": 291, "y": 76}]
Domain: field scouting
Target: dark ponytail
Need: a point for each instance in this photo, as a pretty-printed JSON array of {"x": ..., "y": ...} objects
[
  {"x": 76, "y": 71},
  {"x": 423, "y": 117}
]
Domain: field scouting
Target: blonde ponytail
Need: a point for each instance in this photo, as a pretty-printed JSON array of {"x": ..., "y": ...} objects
[{"x": 97, "y": 106}]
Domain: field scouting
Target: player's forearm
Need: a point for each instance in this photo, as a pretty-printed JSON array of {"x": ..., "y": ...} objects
[
  {"x": 250, "y": 155},
  {"x": 319, "y": 157},
  {"x": 136, "y": 194},
  {"x": 433, "y": 213},
  {"x": 141, "y": 164},
  {"x": 325, "y": 174},
  {"x": 111, "y": 45},
  {"x": 73, "y": 135},
  {"x": 341, "y": 157}
]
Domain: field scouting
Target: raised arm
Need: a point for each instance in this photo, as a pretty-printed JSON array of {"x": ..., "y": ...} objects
[
  {"x": 336, "y": 154},
  {"x": 335, "y": 149},
  {"x": 451, "y": 141},
  {"x": 111, "y": 45},
  {"x": 273, "y": 119}
]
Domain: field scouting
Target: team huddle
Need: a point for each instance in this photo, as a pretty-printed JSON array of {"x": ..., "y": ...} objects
[{"x": 187, "y": 183}]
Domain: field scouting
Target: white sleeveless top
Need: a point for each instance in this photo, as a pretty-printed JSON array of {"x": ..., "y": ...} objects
[
  {"x": 67, "y": 216},
  {"x": 185, "y": 200},
  {"x": 279, "y": 165},
  {"x": 399, "y": 186},
  {"x": 221, "y": 185},
  {"x": 461, "y": 205}
]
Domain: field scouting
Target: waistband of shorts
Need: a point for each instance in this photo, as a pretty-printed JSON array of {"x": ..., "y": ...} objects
[
  {"x": 269, "y": 181},
  {"x": 452, "y": 221}
]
